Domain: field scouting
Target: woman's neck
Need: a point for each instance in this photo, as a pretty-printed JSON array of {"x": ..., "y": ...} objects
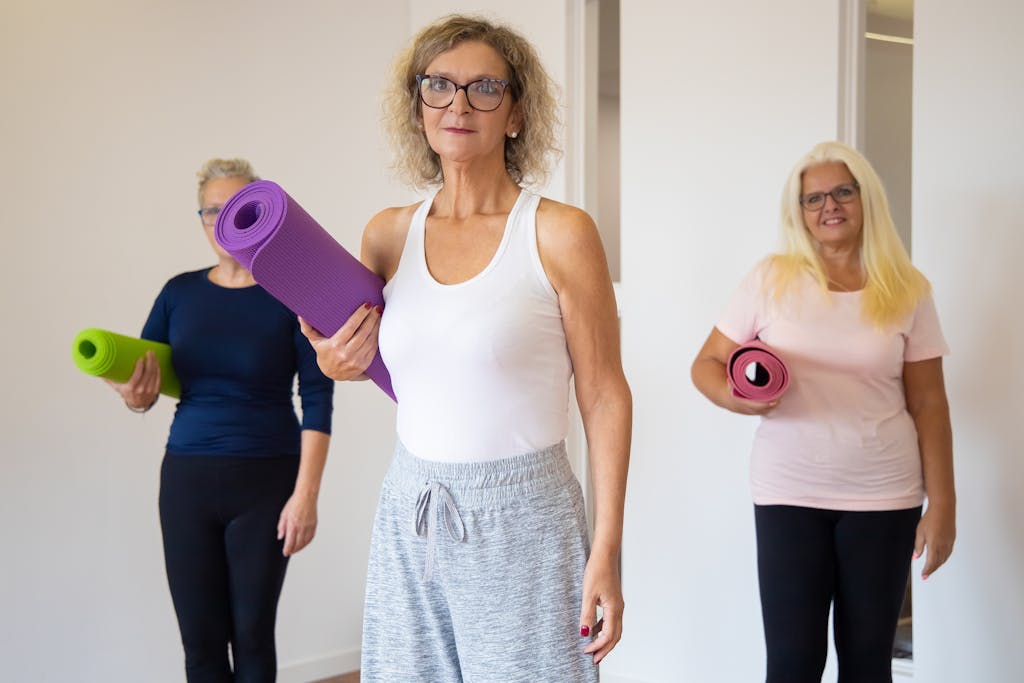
[
  {"x": 469, "y": 190},
  {"x": 228, "y": 273},
  {"x": 843, "y": 269}
]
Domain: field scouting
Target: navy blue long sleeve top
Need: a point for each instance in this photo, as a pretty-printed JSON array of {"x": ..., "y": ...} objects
[{"x": 237, "y": 353}]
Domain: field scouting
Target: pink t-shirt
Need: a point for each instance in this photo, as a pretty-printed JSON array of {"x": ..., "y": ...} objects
[{"x": 841, "y": 437}]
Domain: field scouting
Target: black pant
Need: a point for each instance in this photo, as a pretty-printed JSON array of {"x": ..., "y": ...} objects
[
  {"x": 808, "y": 559},
  {"x": 224, "y": 564}
]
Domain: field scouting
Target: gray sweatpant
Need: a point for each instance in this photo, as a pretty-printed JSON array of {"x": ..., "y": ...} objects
[{"x": 476, "y": 573}]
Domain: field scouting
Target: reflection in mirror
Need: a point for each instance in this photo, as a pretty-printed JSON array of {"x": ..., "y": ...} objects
[
  {"x": 601, "y": 195},
  {"x": 889, "y": 62},
  {"x": 888, "y": 82}
]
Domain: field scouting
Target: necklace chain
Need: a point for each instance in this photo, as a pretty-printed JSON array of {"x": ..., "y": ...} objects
[{"x": 841, "y": 286}]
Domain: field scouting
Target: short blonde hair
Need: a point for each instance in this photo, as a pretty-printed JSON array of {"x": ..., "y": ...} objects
[
  {"x": 528, "y": 157},
  {"x": 894, "y": 286},
  {"x": 224, "y": 168}
]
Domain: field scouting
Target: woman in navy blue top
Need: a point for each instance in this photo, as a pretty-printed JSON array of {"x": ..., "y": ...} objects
[{"x": 241, "y": 475}]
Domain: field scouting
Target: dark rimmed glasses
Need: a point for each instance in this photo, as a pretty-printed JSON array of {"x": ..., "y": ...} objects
[
  {"x": 438, "y": 92},
  {"x": 842, "y": 194},
  {"x": 208, "y": 215}
]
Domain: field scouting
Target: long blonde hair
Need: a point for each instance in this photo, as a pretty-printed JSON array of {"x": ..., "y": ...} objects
[
  {"x": 528, "y": 156},
  {"x": 894, "y": 286}
]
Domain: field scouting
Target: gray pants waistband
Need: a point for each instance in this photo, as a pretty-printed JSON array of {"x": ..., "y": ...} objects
[
  {"x": 484, "y": 483},
  {"x": 445, "y": 486}
]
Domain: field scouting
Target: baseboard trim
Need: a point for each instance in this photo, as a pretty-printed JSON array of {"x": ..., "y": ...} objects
[
  {"x": 318, "y": 668},
  {"x": 903, "y": 669},
  {"x": 612, "y": 678}
]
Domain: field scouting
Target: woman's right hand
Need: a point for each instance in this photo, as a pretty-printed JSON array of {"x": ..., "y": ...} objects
[
  {"x": 745, "y": 406},
  {"x": 142, "y": 389},
  {"x": 711, "y": 378},
  {"x": 348, "y": 352}
]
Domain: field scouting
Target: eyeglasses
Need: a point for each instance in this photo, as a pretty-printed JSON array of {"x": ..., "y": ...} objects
[
  {"x": 842, "y": 194},
  {"x": 485, "y": 94},
  {"x": 208, "y": 215}
]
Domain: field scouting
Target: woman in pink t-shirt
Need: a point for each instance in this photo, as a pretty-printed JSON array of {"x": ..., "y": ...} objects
[{"x": 842, "y": 462}]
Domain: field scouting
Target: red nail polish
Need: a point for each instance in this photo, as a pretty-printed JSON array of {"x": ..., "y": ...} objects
[
  {"x": 380, "y": 310},
  {"x": 584, "y": 631},
  {"x": 367, "y": 305}
]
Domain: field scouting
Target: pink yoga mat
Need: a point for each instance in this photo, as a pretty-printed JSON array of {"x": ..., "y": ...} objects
[
  {"x": 298, "y": 262},
  {"x": 767, "y": 380}
]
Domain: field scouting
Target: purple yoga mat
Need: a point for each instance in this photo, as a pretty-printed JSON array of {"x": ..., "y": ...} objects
[
  {"x": 298, "y": 262},
  {"x": 770, "y": 375}
]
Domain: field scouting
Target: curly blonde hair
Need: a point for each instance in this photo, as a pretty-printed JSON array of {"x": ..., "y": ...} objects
[
  {"x": 224, "y": 168},
  {"x": 528, "y": 157}
]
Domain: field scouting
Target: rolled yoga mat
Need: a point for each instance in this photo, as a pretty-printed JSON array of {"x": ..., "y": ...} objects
[
  {"x": 113, "y": 356},
  {"x": 756, "y": 372},
  {"x": 298, "y": 262}
]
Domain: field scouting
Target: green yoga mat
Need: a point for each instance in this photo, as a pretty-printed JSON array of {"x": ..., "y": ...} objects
[{"x": 110, "y": 355}]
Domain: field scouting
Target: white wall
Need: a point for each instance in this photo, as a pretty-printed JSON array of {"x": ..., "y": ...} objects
[
  {"x": 108, "y": 110},
  {"x": 968, "y": 238},
  {"x": 718, "y": 101},
  {"x": 702, "y": 166}
]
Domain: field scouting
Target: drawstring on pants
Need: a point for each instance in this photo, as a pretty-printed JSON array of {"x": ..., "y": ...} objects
[{"x": 446, "y": 509}]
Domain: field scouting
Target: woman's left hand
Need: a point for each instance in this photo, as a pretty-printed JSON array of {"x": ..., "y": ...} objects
[
  {"x": 936, "y": 531},
  {"x": 925, "y": 390},
  {"x": 347, "y": 353},
  {"x": 602, "y": 587},
  {"x": 297, "y": 523}
]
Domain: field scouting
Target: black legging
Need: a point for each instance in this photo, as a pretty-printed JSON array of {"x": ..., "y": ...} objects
[
  {"x": 224, "y": 564},
  {"x": 809, "y": 558}
]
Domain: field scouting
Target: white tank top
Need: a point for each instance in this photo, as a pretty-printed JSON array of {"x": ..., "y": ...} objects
[{"x": 480, "y": 368}]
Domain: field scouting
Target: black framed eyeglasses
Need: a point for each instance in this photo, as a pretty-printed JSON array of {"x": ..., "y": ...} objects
[
  {"x": 438, "y": 92},
  {"x": 842, "y": 194},
  {"x": 208, "y": 215}
]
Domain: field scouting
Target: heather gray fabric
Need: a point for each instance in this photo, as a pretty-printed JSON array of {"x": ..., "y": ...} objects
[{"x": 476, "y": 573}]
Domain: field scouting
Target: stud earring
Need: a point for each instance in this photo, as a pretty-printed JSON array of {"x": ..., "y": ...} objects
[{"x": 514, "y": 134}]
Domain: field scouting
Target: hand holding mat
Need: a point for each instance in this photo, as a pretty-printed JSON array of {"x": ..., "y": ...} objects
[
  {"x": 113, "y": 356},
  {"x": 298, "y": 262},
  {"x": 770, "y": 376}
]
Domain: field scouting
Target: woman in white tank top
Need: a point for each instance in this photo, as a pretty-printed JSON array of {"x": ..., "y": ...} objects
[{"x": 495, "y": 299}]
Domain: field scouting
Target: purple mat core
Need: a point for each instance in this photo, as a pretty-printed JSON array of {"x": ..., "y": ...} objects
[{"x": 298, "y": 262}]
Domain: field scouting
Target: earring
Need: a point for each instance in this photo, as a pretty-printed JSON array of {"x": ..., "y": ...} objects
[{"x": 514, "y": 134}]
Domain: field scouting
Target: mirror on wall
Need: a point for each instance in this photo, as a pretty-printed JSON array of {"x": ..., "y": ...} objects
[
  {"x": 888, "y": 79},
  {"x": 601, "y": 124},
  {"x": 888, "y": 136}
]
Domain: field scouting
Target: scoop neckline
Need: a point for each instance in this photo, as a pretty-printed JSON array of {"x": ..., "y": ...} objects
[{"x": 491, "y": 264}]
